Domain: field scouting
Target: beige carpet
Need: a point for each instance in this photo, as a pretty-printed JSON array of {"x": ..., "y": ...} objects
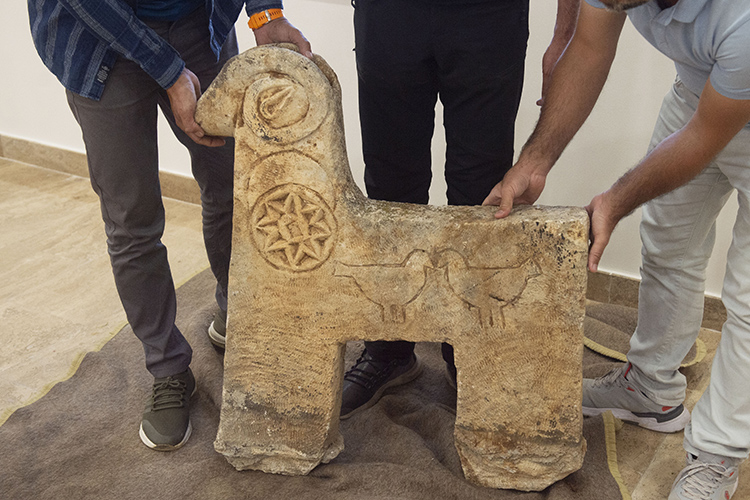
[{"x": 649, "y": 461}]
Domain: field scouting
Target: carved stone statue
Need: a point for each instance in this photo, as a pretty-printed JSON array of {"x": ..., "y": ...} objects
[{"x": 316, "y": 264}]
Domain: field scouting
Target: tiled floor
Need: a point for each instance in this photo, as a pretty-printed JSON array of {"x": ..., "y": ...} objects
[
  {"x": 58, "y": 301},
  {"x": 57, "y": 295}
]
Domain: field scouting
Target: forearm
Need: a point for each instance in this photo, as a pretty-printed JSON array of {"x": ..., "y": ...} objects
[
  {"x": 681, "y": 156},
  {"x": 575, "y": 86},
  {"x": 565, "y": 26},
  {"x": 671, "y": 164},
  {"x": 674, "y": 162},
  {"x": 577, "y": 82}
]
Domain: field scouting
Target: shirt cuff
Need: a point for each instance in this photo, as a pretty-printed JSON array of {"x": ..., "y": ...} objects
[{"x": 596, "y": 3}]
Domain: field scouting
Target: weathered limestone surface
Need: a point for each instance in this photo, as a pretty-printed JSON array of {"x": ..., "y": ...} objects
[{"x": 315, "y": 264}]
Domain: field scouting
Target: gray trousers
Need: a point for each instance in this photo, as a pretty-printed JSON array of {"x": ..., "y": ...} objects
[
  {"x": 678, "y": 231},
  {"x": 120, "y": 135}
]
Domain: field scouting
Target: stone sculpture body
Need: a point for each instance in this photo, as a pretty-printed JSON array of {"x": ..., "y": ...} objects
[{"x": 316, "y": 264}]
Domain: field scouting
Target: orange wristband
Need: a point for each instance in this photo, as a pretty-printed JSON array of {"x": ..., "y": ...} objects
[{"x": 265, "y": 16}]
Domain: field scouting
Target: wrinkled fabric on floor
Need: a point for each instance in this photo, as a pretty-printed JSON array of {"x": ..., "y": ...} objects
[{"x": 81, "y": 439}]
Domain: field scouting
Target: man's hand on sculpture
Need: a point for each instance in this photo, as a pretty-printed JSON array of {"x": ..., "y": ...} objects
[
  {"x": 280, "y": 30},
  {"x": 522, "y": 185},
  {"x": 602, "y": 222},
  {"x": 183, "y": 97}
]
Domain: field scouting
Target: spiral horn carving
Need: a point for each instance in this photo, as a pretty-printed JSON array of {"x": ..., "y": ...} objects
[
  {"x": 279, "y": 108},
  {"x": 260, "y": 89}
]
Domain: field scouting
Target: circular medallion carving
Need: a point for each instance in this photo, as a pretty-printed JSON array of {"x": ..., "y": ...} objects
[
  {"x": 279, "y": 108},
  {"x": 293, "y": 228}
]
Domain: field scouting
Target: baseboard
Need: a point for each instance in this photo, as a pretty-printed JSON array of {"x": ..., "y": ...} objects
[
  {"x": 622, "y": 290},
  {"x": 173, "y": 186}
]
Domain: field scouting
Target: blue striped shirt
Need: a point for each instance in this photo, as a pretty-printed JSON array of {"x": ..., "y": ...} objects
[{"x": 80, "y": 40}]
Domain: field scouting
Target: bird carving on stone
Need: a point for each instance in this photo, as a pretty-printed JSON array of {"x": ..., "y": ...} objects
[
  {"x": 390, "y": 286},
  {"x": 486, "y": 288}
]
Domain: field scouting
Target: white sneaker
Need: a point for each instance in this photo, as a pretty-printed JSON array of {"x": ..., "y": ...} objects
[
  {"x": 706, "y": 477},
  {"x": 616, "y": 393}
]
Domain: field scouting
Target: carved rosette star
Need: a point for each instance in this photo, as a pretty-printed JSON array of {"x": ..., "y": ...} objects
[{"x": 293, "y": 228}]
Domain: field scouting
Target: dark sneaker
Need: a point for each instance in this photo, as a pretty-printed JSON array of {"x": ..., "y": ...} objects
[
  {"x": 217, "y": 332},
  {"x": 616, "y": 393},
  {"x": 366, "y": 381},
  {"x": 166, "y": 422},
  {"x": 706, "y": 477}
]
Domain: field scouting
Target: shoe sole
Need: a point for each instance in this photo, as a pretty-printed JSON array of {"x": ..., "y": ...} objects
[
  {"x": 402, "y": 379},
  {"x": 165, "y": 447},
  {"x": 734, "y": 488},
  {"x": 217, "y": 339},
  {"x": 675, "y": 424}
]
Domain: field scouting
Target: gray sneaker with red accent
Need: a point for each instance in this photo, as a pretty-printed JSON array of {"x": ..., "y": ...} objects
[
  {"x": 706, "y": 477},
  {"x": 627, "y": 401}
]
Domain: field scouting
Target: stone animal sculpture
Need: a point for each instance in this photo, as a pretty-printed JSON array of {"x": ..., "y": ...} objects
[{"x": 316, "y": 264}]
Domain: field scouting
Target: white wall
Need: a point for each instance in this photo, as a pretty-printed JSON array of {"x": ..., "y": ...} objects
[{"x": 33, "y": 107}]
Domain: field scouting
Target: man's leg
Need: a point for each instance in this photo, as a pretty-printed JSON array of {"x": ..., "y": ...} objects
[
  {"x": 119, "y": 132},
  {"x": 120, "y": 136},
  {"x": 397, "y": 96},
  {"x": 213, "y": 168},
  {"x": 721, "y": 418},
  {"x": 677, "y": 231},
  {"x": 717, "y": 439},
  {"x": 480, "y": 88},
  {"x": 481, "y": 77}
]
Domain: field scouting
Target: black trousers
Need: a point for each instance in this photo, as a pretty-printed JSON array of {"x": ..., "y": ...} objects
[{"x": 409, "y": 53}]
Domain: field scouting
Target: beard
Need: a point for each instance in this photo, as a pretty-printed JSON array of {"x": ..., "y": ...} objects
[{"x": 622, "y": 5}]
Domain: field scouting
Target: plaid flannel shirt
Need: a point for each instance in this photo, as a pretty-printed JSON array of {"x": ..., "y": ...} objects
[{"x": 80, "y": 40}]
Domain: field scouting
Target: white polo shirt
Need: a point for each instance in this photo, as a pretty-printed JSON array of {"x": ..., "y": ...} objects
[{"x": 705, "y": 39}]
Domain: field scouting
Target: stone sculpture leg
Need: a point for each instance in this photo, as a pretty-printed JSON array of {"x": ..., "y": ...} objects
[{"x": 280, "y": 411}]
